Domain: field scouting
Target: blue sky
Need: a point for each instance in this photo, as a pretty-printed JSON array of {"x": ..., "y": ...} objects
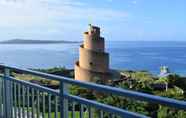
[{"x": 133, "y": 20}]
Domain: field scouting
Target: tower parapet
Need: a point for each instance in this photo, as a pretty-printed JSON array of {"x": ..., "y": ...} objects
[{"x": 93, "y": 60}]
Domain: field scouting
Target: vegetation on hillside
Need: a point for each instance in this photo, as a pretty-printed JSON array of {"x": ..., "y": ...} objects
[{"x": 144, "y": 82}]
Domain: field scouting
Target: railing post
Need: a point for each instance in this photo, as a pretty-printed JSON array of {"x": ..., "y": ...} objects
[
  {"x": 1, "y": 97},
  {"x": 63, "y": 102},
  {"x": 7, "y": 94}
]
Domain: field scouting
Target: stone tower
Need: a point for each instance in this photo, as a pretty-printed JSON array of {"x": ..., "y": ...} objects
[{"x": 93, "y": 64}]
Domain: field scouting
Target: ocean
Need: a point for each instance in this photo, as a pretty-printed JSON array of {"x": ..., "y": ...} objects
[{"x": 124, "y": 55}]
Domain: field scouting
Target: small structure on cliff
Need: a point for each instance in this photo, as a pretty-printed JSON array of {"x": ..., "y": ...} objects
[
  {"x": 93, "y": 64},
  {"x": 164, "y": 71}
]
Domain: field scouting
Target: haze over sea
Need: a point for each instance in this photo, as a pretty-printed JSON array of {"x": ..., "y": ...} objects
[{"x": 124, "y": 55}]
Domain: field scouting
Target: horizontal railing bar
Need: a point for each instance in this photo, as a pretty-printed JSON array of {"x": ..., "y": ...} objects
[
  {"x": 32, "y": 72},
  {"x": 35, "y": 86},
  {"x": 107, "y": 108},
  {"x": 107, "y": 89}
]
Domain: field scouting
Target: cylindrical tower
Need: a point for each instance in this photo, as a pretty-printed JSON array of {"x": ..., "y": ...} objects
[{"x": 93, "y": 64}]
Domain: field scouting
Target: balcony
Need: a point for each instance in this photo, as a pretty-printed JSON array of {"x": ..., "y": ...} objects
[{"x": 23, "y": 99}]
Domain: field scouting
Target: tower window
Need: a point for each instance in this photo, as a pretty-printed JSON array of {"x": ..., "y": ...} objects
[{"x": 91, "y": 63}]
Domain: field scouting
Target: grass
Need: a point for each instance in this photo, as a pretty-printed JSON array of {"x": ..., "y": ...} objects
[{"x": 77, "y": 115}]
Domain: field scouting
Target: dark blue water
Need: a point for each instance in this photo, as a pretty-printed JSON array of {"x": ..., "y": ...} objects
[
  {"x": 123, "y": 55},
  {"x": 149, "y": 56}
]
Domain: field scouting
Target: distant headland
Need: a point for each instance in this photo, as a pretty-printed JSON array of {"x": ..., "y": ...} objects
[{"x": 28, "y": 41}]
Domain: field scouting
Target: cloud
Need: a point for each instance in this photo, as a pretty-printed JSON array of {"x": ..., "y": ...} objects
[
  {"x": 134, "y": 2},
  {"x": 38, "y": 11},
  {"x": 21, "y": 13},
  {"x": 53, "y": 16},
  {"x": 109, "y": 0}
]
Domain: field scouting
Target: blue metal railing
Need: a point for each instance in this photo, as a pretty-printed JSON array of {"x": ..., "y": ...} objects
[{"x": 23, "y": 99}]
